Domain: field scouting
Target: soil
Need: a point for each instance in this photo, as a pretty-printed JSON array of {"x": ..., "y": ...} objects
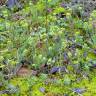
[{"x": 24, "y": 71}]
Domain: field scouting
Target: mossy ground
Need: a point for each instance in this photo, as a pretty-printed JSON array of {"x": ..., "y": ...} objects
[
  {"x": 55, "y": 86},
  {"x": 51, "y": 35}
]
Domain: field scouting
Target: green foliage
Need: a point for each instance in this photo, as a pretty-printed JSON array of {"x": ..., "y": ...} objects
[{"x": 59, "y": 39}]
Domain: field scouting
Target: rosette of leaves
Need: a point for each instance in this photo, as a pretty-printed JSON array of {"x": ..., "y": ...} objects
[{"x": 38, "y": 60}]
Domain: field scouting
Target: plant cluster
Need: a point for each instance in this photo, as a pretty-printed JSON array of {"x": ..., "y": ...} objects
[{"x": 51, "y": 38}]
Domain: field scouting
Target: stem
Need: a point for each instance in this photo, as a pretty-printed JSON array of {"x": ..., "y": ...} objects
[{"x": 46, "y": 16}]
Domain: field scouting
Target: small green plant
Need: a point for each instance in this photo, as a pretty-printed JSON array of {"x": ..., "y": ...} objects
[{"x": 47, "y": 34}]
